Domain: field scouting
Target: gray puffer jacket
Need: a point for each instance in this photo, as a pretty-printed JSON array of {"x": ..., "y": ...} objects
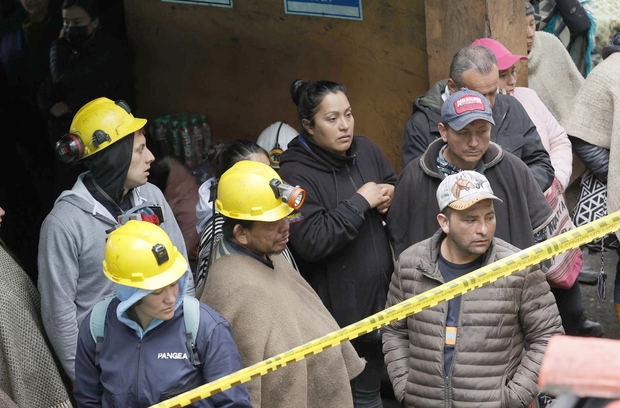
[{"x": 490, "y": 366}]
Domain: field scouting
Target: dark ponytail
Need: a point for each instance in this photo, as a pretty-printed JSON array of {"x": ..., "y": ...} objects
[
  {"x": 222, "y": 156},
  {"x": 296, "y": 89},
  {"x": 309, "y": 95}
]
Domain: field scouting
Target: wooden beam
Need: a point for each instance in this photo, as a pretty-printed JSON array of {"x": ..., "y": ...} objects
[{"x": 451, "y": 26}]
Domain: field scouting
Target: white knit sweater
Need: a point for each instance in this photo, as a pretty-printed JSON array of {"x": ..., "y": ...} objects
[
  {"x": 596, "y": 119},
  {"x": 553, "y": 75}
]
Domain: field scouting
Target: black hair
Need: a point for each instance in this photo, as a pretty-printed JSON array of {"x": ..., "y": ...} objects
[
  {"x": 92, "y": 7},
  {"x": 229, "y": 225},
  {"x": 309, "y": 95},
  {"x": 222, "y": 156},
  {"x": 529, "y": 9},
  {"x": 447, "y": 211},
  {"x": 614, "y": 46},
  {"x": 476, "y": 57}
]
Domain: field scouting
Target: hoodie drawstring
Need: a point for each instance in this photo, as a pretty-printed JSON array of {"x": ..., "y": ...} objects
[{"x": 335, "y": 185}]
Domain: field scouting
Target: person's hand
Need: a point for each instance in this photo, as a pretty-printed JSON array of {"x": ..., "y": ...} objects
[
  {"x": 388, "y": 190},
  {"x": 62, "y": 32},
  {"x": 374, "y": 193},
  {"x": 58, "y": 109}
]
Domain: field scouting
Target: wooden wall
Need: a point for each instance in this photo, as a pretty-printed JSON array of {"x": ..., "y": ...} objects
[
  {"x": 452, "y": 25},
  {"x": 237, "y": 64}
]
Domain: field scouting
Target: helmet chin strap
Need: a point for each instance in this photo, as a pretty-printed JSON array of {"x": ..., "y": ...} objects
[{"x": 101, "y": 191}]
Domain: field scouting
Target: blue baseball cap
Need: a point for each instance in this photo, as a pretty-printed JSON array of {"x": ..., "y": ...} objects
[{"x": 463, "y": 107}]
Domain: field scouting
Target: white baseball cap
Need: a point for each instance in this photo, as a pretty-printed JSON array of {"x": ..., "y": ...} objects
[{"x": 462, "y": 190}]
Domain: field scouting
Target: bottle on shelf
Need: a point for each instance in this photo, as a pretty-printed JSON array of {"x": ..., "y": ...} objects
[
  {"x": 206, "y": 132},
  {"x": 158, "y": 130},
  {"x": 186, "y": 140},
  {"x": 174, "y": 137},
  {"x": 197, "y": 141}
]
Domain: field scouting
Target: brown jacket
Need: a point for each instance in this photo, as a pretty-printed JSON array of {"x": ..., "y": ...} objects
[
  {"x": 272, "y": 311},
  {"x": 490, "y": 366}
]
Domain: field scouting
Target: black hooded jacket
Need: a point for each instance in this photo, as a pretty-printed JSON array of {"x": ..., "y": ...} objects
[
  {"x": 339, "y": 242},
  {"x": 78, "y": 74},
  {"x": 514, "y": 131}
]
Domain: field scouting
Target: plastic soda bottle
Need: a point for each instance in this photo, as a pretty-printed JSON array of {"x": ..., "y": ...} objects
[
  {"x": 206, "y": 132},
  {"x": 159, "y": 135},
  {"x": 186, "y": 140},
  {"x": 182, "y": 116},
  {"x": 197, "y": 142},
  {"x": 175, "y": 139}
]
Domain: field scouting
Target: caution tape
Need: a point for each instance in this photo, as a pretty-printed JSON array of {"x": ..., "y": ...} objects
[{"x": 473, "y": 280}]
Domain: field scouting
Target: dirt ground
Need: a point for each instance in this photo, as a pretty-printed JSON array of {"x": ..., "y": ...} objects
[{"x": 602, "y": 311}]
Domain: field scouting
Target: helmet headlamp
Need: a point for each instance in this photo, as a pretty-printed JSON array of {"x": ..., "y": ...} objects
[{"x": 294, "y": 196}]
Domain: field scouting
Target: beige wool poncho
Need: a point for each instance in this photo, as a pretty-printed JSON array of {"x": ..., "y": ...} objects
[
  {"x": 274, "y": 310},
  {"x": 553, "y": 75},
  {"x": 596, "y": 119},
  {"x": 28, "y": 374}
]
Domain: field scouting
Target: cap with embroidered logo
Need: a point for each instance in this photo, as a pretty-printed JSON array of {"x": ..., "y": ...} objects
[
  {"x": 462, "y": 190},
  {"x": 463, "y": 107}
]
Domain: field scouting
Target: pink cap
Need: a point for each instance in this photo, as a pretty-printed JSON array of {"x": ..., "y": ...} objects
[{"x": 505, "y": 59}]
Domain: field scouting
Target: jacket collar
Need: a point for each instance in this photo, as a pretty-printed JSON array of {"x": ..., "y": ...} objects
[
  {"x": 428, "y": 263},
  {"x": 428, "y": 160},
  {"x": 227, "y": 247},
  {"x": 331, "y": 159},
  {"x": 432, "y": 98},
  {"x": 83, "y": 199}
]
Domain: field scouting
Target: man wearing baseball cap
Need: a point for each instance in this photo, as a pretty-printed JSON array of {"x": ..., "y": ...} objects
[
  {"x": 465, "y": 129},
  {"x": 470, "y": 350},
  {"x": 475, "y": 67}
]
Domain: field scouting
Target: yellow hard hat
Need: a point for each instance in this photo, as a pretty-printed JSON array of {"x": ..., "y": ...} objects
[
  {"x": 253, "y": 191},
  {"x": 140, "y": 254},
  {"x": 95, "y": 126}
]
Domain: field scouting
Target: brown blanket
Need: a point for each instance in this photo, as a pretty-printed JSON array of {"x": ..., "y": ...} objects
[
  {"x": 272, "y": 311},
  {"x": 28, "y": 372}
]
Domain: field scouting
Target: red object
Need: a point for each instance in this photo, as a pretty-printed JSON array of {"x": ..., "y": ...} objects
[
  {"x": 153, "y": 219},
  {"x": 468, "y": 103},
  {"x": 586, "y": 367}
]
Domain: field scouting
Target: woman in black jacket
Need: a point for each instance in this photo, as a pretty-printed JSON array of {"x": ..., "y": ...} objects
[
  {"x": 86, "y": 61},
  {"x": 338, "y": 236}
]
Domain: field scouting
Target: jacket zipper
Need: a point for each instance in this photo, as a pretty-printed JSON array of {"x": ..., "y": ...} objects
[
  {"x": 351, "y": 178},
  {"x": 372, "y": 236},
  {"x": 138, "y": 370},
  {"x": 449, "y": 376},
  {"x": 447, "y": 398},
  {"x": 447, "y": 393}
]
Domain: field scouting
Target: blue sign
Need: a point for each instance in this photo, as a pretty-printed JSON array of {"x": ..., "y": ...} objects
[
  {"x": 351, "y": 9},
  {"x": 218, "y": 3}
]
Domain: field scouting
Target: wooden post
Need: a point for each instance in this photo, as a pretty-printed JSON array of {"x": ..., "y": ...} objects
[{"x": 452, "y": 25}]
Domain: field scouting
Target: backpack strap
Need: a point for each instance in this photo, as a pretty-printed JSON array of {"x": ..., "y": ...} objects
[
  {"x": 97, "y": 324},
  {"x": 191, "y": 317}
]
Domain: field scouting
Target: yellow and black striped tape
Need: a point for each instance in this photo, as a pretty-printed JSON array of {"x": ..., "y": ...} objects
[{"x": 473, "y": 280}]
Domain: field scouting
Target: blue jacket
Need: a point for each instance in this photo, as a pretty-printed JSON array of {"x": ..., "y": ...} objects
[{"x": 138, "y": 368}]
